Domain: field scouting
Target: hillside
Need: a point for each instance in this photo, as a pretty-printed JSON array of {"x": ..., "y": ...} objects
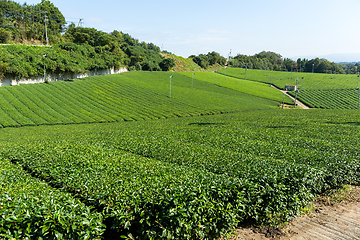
[
  {"x": 124, "y": 97},
  {"x": 188, "y": 65},
  {"x": 317, "y": 90}
]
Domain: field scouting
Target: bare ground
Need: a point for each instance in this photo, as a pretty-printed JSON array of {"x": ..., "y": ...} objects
[{"x": 334, "y": 216}]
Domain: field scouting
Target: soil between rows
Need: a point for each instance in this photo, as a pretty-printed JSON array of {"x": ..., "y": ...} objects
[{"x": 334, "y": 216}]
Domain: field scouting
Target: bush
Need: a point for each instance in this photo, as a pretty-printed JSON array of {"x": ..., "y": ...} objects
[
  {"x": 5, "y": 36},
  {"x": 166, "y": 64}
]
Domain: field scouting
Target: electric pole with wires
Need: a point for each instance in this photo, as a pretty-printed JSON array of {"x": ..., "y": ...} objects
[
  {"x": 46, "y": 35},
  {"x": 81, "y": 22}
]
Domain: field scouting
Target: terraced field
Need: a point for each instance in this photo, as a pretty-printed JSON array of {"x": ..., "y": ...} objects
[
  {"x": 307, "y": 81},
  {"x": 250, "y": 87},
  {"x": 329, "y": 91},
  {"x": 154, "y": 167},
  {"x": 125, "y": 97},
  {"x": 181, "y": 178}
]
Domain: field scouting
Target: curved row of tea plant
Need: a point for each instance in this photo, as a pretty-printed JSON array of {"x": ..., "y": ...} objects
[
  {"x": 30, "y": 209},
  {"x": 138, "y": 195},
  {"x": 194, "y": 177},
  {"x": 307, "y": 81},
  {"x": 330, "y": 91},
  {"x": 330, "y": 99},
  {"x": 130, "y": 96},
  {"x": 250, "y": 87}
]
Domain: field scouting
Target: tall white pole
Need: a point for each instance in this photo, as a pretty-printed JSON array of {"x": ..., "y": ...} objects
[
  {"x": 44, "y": 69},
  {"x": 170, "y": 85},
  {"x": 245, "y": 71},
  {"x": 192, "y": 80},
  {"x": 225, "y": 73},
  {"x": 297, "y": 80},
  {"x": 215, "y": 77}
]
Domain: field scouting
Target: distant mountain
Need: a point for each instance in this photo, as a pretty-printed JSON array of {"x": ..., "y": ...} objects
[{"x": 336, "y": 57}]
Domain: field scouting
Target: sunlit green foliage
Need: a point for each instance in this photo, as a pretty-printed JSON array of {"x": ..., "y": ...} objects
[
  {"x": 331, "y": 91},
  {"x": 22, "y": 22},
  {"x": 122, "y": 97},
  {"x": 250, "y": 87},
  {"x": 31, "y": 209},
  {"x": 193, "y": 178}
]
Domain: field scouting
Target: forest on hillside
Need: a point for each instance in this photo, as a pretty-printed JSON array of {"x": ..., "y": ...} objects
[
  {"x": 73, "y": 49},
  {"x": 267, "y": 60},
  {"x": 77, "y": 49}
]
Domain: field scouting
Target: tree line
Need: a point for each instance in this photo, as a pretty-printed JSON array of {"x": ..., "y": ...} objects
[
  {"x": 267, "y": 60},
  {"x": 24, "y": 23},
  {"x": 74, "y": 49}
]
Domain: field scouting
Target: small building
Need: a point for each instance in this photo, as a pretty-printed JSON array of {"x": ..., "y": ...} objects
[{"x": 290, "y": 88}]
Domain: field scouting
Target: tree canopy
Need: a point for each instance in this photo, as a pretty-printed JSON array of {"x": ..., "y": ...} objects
[
  {"x": 273, "y": 61},
  {"x": 23, "y": 23},
  {"x": 206, "y": 60}
]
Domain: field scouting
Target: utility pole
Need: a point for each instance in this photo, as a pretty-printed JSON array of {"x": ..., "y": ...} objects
[
  {"x": 357, "y": 88},
  {"x": 80, "y": 24},
  {"x": 46, "y": 36},
  {"x": 45, "y": 81},
  {"x": 359, "y": 99},
  {"x": 215, "y": 77},
  {"x": 296, "y": 91},
  {"x": 245, "y": 71},
  {"x": 229, "y": 56},
  {"x": 170, "y": 85},
  {"x": 192, "y": 80},
  {"x": 225, "y": 72}
]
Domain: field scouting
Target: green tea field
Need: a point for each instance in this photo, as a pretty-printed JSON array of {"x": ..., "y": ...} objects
[
  {"x": 329, "y": 91},
  {"x": 180, "y": 178},
  {"x": 125, "y": 97},
  {"x": 141, "y": 165}
]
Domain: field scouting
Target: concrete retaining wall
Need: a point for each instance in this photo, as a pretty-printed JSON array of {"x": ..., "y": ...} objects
[{"x": 9, "y": 81}]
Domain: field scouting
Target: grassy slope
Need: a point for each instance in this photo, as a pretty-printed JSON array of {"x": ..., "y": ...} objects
[
  {"x": 188, "y": 65},
  {"x": 250, "y": 87},
  {"x": 316, "y": 90},
  {"x": 309, "y": 81}
]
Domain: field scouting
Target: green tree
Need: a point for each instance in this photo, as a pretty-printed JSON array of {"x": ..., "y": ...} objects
[{"x": 166, "y": 64}]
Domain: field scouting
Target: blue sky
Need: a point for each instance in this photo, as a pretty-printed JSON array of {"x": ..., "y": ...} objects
[{"x": 307, "y": 28}]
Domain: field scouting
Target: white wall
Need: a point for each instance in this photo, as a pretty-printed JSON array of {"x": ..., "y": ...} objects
[{"x": 8, "y": 81}]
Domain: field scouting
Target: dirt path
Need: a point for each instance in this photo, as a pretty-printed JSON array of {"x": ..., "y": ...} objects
[
  {"x": 298, "y": 103},
  {"x": 329, "y": 220}
]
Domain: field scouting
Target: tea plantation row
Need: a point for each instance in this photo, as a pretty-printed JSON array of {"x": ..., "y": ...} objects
[
  {"x": 307, "y": 81},
  {"x": 249, "y": 87},
  {"x": 125, "y": 97},
  {"x": 179, "y": 178},
  {"x": 329, "y": 91},
  {"x": 330, "y": 99}
]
